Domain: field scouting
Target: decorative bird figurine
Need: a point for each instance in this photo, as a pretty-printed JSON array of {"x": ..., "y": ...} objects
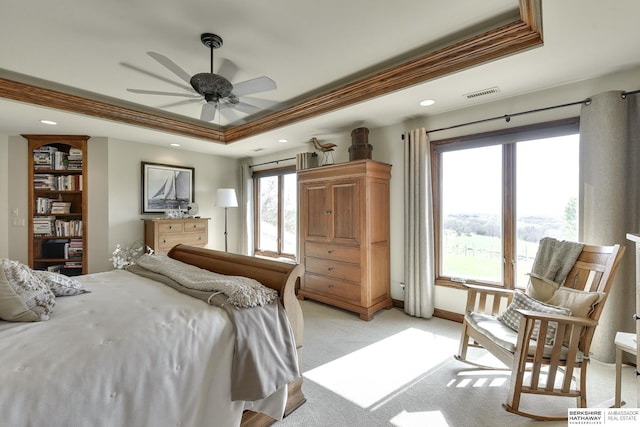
[{"x": 326, "y": 148}]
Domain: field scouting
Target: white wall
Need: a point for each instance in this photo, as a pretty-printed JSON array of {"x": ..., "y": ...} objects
[
  {"x": 124, "y": 190},
  {"x": 17, "y": 198},
  {"x": 4, "y": 196}
]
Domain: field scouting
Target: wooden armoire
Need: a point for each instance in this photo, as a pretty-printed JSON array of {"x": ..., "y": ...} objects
[{"x": 344, "y": 232}]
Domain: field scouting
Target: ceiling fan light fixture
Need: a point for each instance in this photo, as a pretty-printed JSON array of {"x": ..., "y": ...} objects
[{"x": 211, "y": 84}]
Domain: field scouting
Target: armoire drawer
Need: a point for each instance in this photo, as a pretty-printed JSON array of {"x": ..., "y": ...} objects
[
  {"x": 332, "y": 287},
  {"x": 336, "y": 252},
  {"x": 331, "y": 268}
]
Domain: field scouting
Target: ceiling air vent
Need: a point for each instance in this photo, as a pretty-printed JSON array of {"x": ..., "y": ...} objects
[{"x": 482, "y": 92}]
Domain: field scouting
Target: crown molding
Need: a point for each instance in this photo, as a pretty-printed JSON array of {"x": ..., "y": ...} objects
[{"x": 518, "y": 36}]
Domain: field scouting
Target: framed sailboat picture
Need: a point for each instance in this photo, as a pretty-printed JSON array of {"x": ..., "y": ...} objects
[{"x": 166, "y": 187}]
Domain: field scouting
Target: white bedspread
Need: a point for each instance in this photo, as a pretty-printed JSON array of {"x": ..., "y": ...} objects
[{"x": 132, "y": 352}]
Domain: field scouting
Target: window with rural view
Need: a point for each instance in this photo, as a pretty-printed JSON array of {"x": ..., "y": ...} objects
[{"x": 497, "y": 201}]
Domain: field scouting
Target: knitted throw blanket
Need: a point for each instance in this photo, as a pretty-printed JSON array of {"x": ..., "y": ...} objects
[
  {"x": 242, "y": 292},
  {"x": 555, "y": 258}
]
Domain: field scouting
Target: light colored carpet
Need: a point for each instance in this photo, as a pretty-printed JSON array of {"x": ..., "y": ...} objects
[{"x": 397, "y": 370}]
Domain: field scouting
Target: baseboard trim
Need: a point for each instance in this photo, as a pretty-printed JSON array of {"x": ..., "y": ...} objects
[{"x": 443, "y": 314}]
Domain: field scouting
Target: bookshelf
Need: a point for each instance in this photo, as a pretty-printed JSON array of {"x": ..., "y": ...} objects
[{"x": 58, "y": 203}]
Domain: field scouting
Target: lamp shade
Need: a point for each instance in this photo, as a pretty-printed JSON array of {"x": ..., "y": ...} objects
[{"x": 226, "y": 198}]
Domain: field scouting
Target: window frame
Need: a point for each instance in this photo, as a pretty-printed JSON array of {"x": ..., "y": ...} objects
[
  {"x": 508, "y": 139},
  {"x": 256, "y": 176}
]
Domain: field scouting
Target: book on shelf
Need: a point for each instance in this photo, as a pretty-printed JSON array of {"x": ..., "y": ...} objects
[
  {"x": 59, "y": 160},
  {"x": 44, "y": 181},
  {"x": 43, "y": 157},
  {"x": 74, "y": 159},
  {"x": 58, "y": 207},
  {"x": 68, "y": 228},
  {"x": 43, "y": 205},
  {"x": 43, "y": 225}
]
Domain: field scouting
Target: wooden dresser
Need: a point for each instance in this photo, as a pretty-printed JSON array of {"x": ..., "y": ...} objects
[
  {"x": 344, "y": 232},
  {"x": 161, "y": 234}
]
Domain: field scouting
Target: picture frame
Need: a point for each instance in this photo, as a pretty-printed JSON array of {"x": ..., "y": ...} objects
[{"x": 166, "y": 187}]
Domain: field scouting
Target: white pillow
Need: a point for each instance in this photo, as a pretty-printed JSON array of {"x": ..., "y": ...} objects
[
  {"x": 60, "y": 285},
  {"x": 23, "y": 296},
  {"x": 522, "y": 301}
]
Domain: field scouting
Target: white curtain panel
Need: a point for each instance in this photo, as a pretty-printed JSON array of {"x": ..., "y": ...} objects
[
  {"x": 609, "y": 177},
  {"x": 419, "y": 272},
  {"x": 245, "y": 203}
]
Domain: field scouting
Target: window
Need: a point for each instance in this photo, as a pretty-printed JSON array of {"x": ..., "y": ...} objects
[
  {"x": 497, "y": 194},
  {"x": 276, "y": 213}
]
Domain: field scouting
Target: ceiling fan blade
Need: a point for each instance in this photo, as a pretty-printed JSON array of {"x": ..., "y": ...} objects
[
  {"x": 230, "y": 114},
  {"x": 157, "y": 76},
  {"x": 208, "y": 111},
  {"x": 178, "y": 103},
  {"x": 260, "y": 103},
  {"x": 228, "y": 69},
  {"x": 172, "y": 66},
  {"x": 158, "y": 92},
  {"x": 248, "y": 87},
  {"x": 244, "y": 107}
]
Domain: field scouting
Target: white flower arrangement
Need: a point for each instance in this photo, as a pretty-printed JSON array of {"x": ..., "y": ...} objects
[{"x": 123, "y": 257}]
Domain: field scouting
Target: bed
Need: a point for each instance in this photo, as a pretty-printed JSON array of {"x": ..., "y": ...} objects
[{"x": 134, "y": 351}]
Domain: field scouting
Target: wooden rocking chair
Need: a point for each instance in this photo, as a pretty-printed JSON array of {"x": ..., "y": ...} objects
[{"x": 558, "y": 368}]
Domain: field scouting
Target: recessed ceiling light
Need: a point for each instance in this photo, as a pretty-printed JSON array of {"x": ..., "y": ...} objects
[
  {"x": 175, "y": 144},
  {"x": 283, "y": 140},
  {"x": 427, "y": 102},
  {"x": 48, "y": 122}
]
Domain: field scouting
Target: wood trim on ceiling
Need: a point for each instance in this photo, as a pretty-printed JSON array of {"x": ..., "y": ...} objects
[{"x": 520, "y": 35}]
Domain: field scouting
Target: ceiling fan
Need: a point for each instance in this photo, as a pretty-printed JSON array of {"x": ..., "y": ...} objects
[{"x": 219, "y": 94}]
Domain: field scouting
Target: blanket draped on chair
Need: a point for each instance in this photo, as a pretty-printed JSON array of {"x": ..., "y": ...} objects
[{"x": 555, "y": 258}]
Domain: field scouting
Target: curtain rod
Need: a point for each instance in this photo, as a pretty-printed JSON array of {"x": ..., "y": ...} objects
[
  {"x": 272, "y": 161},
  {"x": 507, "y": 117}
]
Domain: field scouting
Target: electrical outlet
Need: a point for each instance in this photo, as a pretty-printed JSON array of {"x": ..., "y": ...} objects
[{"x": 18, "y": 222}]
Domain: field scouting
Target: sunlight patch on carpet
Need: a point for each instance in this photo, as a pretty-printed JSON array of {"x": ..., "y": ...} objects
[
  {"x": 479, "y": 378},
  {"x": 419, "y": 419},
  {"x": 372, "y": 373}
]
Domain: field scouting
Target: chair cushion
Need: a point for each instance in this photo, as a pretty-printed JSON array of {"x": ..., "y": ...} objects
[
  {"x": 522, "y": 301},
  {"x": 506, "y": 337}
]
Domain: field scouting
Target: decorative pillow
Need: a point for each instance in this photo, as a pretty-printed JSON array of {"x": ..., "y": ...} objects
[
  {"x": 540, "y": 288},
  {"x": 580, "y": 303},
  {"x": 522, "y": 301},
  {"x": 60, "y": 285},
  {"x": 23, "y": 296}
]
